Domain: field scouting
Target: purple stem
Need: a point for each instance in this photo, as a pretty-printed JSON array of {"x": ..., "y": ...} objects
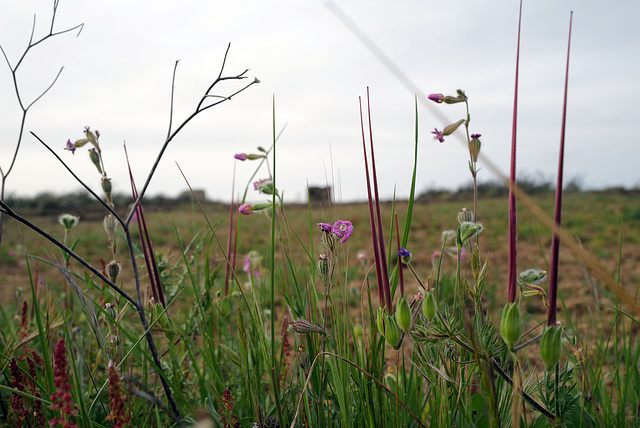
[
  {"x": 374, "y": 233},
  {"x": 383, "y": 253},
  {"x": 552, "y": 311},
  {"x": 513, "y": 231}
]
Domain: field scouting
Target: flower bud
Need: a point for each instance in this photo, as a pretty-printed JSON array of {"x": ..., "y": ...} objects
[
  {"x": 106, "y": 186},
  {"x": 511, "y": 325},
  {"x": 110, "y": 224},
  {"x": 241, "y": 156},
  {"x": 110, "y": 309},
  {"x": 405, "y": 255},
  {"x": 438, "y": 98},
  {"x": 468, "y": 230},
  {"x": 429, "y": 305},
  {"x": 91, "y": 136},
  {"x": 113, "y": 270},
  {"x": 95, "y": 158},
  {"x": 450, "y": 129},
  {"x": 533, "y": 276},
  {"x": 465, "y": 215},
  {"x": 551, "y": 345},
  {"x": 305, "y": 327},
  {"x": 393, "y": 335},
  {"x": 324, "y": 266},
  {"x": 245, "y": 209},
  {"x": 225, "y": 307},
  {"x": 403, "y": 314},
  {"x": 474, "y": 146}
]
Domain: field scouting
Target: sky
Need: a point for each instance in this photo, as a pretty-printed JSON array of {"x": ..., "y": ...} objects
[{"x": 313, "y": 68}]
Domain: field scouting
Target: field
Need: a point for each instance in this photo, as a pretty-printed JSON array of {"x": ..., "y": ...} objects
[
  {"x": 505, "y": 308},
  {"x": 605, "y": 223}
]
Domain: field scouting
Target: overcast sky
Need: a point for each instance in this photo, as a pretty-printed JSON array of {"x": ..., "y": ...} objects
[{"x": 117, "y": 79}]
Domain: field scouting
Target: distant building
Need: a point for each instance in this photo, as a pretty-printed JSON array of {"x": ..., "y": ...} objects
[
  {"x": 320, "y": 194},
  {"x": 199, "y": 194}
]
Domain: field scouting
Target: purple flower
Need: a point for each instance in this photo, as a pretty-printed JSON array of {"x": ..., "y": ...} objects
[
  {"x": 241, "y": 156},
  {"x": 245, "y": 209},
  {"x": 69, "y": 146},
  {"x": 475, "y": 136},
  {"x": 438, "y": 98},
  {"x": 342, "y": 229},
  {"x": 404, "y": 253},
  {"x": 438, "y": 135},
  {"x": 326, "y": 227}
]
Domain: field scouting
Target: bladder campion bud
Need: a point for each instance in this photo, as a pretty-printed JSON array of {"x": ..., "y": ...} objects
[
  {"x": 106, "y": 186},
  {"x": 95, "y": 158},
  {"x": 305, "y": 327},
  {"x": 113, "y": 270},
  {"x": 110, "y": 309},
  {"x": 511, "y": 325},
  {"x": 551, "y": 345},
  {"x": 403, "y": 314},
  {"x": 450, "y": 129},
  {"x": 474, "y": 146},
  {"x": 465, "y": 215}
]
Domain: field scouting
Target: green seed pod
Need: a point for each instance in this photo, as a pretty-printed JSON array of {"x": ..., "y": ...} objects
[
  {"x": 511, "y": 325},
  {"x": 403, "y": 314},
  {"x": 551, "y": 345},
  {"x": 474, "y": 147},
  {"x": 95, "y": 159},
  {"x": 113, "y": 270},
  {"x": 380, "y": 321},
  {"x": 393, "y": 335},
  {"x": 450, "y": 129},
  {"x": 429, "y": 306}
]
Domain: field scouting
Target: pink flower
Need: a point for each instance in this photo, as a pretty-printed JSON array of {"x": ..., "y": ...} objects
[
  {"x": 438, "y": 135},
  {"x": 241, "y": 156},
  {"x": 438, "y": 98},
  {"x": 326, "y": 227},
  {"x": 342, "y": 229},
  {"x": 245, "y": 209},
  {"x": 69, "y": 146}
]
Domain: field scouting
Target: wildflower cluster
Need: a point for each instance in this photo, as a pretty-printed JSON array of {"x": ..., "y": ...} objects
[
  {"x": 227, "y": 418},
  {"x": 61, "y": 398},
  {"x": 117, "y": 398}
]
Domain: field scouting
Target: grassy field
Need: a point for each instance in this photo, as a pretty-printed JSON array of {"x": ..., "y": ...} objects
[{"x": 607, "y": 225}]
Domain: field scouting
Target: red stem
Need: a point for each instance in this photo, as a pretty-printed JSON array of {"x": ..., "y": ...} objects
[
  {"x": 513, "y": 231},
  {"x": 374, "y": 233},
  {"x": 383, "y": 253},
  {"x": 552, "y": 310}
]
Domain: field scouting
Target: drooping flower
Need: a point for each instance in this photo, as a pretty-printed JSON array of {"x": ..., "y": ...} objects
[
  {"x": 438, "y": 135},
  {"x": 343, "y": 230},
  {"x": 69, "y": 146},
  {"x": 438, "y": 98}
]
